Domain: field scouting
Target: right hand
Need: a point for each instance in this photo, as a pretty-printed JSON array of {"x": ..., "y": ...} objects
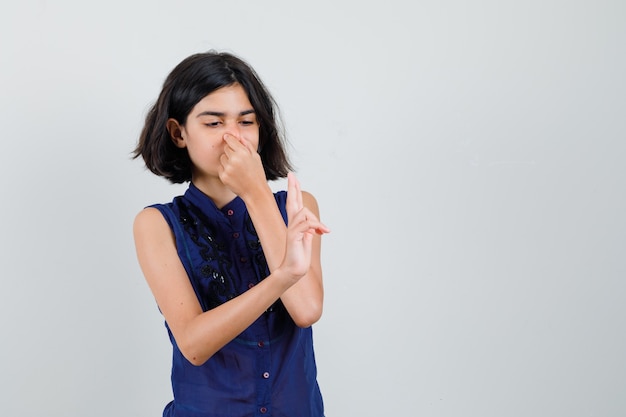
[
  {"x": 302, "y": 224},
  {"x": 241, "y": 168}
]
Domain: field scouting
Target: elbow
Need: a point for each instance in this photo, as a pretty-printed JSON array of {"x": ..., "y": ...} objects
[
  {"x": 194, "y": 358},
  {"x": 195, "y": 361},
  {"x": 309, "y": 317},
  {"x": 193, "y": 355}
]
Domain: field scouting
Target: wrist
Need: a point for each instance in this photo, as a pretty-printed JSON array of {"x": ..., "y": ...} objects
[
  {"x": 283, "y": 278},
  {"x": 258, "y": 194}
]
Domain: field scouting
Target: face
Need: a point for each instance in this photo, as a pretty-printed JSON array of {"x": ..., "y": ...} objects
[{"x": 224, "y": 111}]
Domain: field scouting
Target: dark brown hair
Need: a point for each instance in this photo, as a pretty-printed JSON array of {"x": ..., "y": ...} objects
[{"x": 189, "y": 82}]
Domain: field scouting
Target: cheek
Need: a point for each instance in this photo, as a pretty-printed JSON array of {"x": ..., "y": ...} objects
[
  {"x": 255, "y": 140},
  {"x": 207, "y": 149}
]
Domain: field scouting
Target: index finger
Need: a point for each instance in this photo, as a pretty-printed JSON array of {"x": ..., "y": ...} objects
[
  {"x": 294, "y": 195},
  {"x": 233, "y": 140}
]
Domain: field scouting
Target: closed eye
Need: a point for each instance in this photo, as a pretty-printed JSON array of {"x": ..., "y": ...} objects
[{"x": 213, "y": 124}]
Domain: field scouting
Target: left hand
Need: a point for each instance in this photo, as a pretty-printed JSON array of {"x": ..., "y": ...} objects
[
  {"x": 302, "y": 225},
  {"x": 241, "y": 167}
]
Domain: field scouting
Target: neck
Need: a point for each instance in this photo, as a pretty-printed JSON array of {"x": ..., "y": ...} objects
[{"x": 215, "y": 190}]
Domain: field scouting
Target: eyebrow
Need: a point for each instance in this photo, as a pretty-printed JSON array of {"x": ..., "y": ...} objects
[{"x": 222, "y": 114}]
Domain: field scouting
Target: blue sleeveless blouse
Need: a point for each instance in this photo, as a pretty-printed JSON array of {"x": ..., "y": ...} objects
[{"x": 269, "y": 369}]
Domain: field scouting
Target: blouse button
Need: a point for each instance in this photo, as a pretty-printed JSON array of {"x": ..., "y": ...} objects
[
  {"x": 266, "y": 375},
  {"x": 230, "y": 212},
  {"x": 243, "y": 259},
  {"x": 263, "y": 410},
  {"x": 235, "y": 235},
  {"x": 261, "y": 344},
  {"x": 250, "y": 285}
]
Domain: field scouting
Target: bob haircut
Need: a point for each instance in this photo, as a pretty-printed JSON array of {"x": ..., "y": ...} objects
[{"x": 189, "y": 82}]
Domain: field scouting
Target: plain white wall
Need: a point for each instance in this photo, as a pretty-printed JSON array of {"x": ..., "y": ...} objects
[{"x": 469, "y": 157}]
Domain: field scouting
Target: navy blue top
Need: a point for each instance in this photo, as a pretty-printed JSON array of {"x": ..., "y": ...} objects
[{"x": 269, "y": 369}]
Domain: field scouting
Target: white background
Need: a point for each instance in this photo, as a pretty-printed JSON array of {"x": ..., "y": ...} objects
[{"x": 468, "y": 156}]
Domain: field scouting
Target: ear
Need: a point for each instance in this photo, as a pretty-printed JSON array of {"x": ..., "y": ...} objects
[{"x": 176, "y": 133}]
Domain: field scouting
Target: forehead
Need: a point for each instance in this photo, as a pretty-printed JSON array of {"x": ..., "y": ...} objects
[{"x": 232, "y": 97}]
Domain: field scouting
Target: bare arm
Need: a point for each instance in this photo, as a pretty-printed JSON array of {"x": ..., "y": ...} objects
[
  {"x": 304, "y": 300},
  {"x": 243, "y": 173},
  {"x": 200, "y": 334}
]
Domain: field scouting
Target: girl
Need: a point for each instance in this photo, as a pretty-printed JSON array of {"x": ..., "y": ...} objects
[{"x": 239, "y": 289}]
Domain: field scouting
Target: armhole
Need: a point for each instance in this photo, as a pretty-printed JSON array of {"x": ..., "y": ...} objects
[
  {"x": 281, "y": 201},
  {"x": 181, "y": 247}
]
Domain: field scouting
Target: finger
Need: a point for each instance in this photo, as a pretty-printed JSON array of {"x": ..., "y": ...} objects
[
  {"x": 294, "y": 189},
  {"x": 310, "y": 228},
  {"x": 224, "y": 161},
  {"x": 236, "y": 143},
  {"x": 299, "y": 195},
  {"x": 291, "y": 204},
  {"x": 228, "y": 151},
  {"x": 230, "y": 142},
  {"x": 318, "y": 227},
  {"x": 306, "y": 220},
  {"x": 232, "y": 145},
  {"x": 246, "y": 144}
]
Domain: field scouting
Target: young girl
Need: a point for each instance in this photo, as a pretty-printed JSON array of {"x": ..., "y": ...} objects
[{"x": 239, "y": 289}]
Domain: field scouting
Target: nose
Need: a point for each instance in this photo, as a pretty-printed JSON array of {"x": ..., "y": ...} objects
[{"x": 232, "y": 128}]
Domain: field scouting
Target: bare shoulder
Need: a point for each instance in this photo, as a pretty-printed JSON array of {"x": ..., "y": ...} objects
[
  {"x": 149, "y": 214},
  {"x": 150, "y": 223},
  {"x": 310, "y": 202}
]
